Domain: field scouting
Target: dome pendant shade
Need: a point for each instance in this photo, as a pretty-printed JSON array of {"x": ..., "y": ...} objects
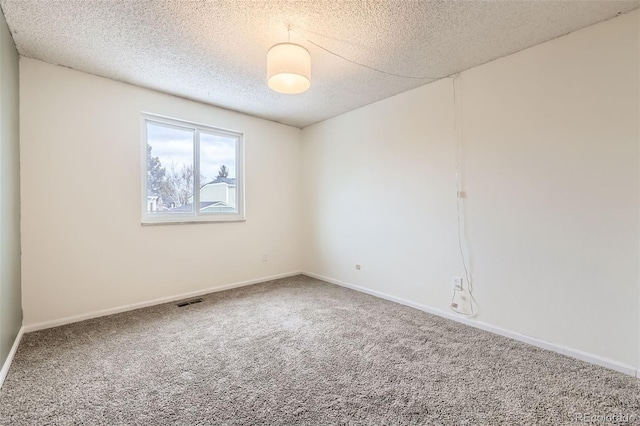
[{"x": 289, "y": 68}]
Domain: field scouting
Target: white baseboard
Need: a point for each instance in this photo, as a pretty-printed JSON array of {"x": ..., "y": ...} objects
[
  {"x": 564, "y": 350},
  {"x": 9, "y": 360},
  {"x": 104, "y": 312}
]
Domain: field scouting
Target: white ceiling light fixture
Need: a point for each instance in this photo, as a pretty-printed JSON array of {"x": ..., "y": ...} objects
[{"x": 289, "y": 68}]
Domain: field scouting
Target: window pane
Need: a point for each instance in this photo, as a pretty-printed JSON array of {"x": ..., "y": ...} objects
[
  {"x": 169, "y": 169},
  {"x": 218, "y": 190}
]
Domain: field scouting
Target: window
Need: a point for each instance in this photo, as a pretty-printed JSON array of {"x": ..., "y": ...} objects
[{"x": 191, "y": 172}]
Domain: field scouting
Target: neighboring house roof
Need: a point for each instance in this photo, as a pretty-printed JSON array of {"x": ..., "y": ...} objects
[
  {"x": 203, "y": 205},
  {"x": 215, "y": 207},
  {"x": 230, "y": 181},
  {"x": 181, "y": 209}
]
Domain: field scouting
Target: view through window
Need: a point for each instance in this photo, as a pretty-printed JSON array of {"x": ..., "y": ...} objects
[{"x": 193, "y": 172}]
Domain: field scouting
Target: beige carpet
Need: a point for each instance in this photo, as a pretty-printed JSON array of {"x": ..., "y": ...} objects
[{"x": 298, "y": 351}]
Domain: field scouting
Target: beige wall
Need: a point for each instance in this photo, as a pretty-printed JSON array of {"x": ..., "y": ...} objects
[
  {"x": 84, "y": 249},
  {"x": 550, "y": 148},
  {"x": 10, "y": 313}
]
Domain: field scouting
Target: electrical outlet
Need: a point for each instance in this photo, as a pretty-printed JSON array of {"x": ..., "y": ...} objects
[
  {"x": 357, "y": 267},
  {"x": 265, "y": 257},
  {"x": 456, "y": 283}
]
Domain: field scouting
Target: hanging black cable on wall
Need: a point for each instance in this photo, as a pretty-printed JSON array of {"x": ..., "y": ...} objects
[{"x": 460, "y": 211}]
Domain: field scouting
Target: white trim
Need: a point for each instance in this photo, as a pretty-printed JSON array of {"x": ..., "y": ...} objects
[
  {"x": 9, "y": 360},
  {"x": 197, "y": 185},
  {"x": 104, "y": 312},
  {"x": 564, "y": 350}
]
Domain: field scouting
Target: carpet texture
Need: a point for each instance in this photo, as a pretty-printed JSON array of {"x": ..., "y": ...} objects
[{"x": 299, "y": 351}]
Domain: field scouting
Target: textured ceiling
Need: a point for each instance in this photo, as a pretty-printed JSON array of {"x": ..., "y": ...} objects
[{"x": 215, "y": 51}]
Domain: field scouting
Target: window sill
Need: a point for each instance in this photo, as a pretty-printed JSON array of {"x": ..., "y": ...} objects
[{"x": 189, "y": 221}]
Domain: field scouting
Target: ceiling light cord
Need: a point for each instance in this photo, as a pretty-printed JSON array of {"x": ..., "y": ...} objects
[{"x": 361, "y": 64}]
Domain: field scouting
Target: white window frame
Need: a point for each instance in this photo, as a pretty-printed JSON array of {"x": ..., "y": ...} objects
[{"x": 196, "y": 216}]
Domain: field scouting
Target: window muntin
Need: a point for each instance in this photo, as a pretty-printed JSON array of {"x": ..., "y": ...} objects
[{"x": 180, "y": 157}]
